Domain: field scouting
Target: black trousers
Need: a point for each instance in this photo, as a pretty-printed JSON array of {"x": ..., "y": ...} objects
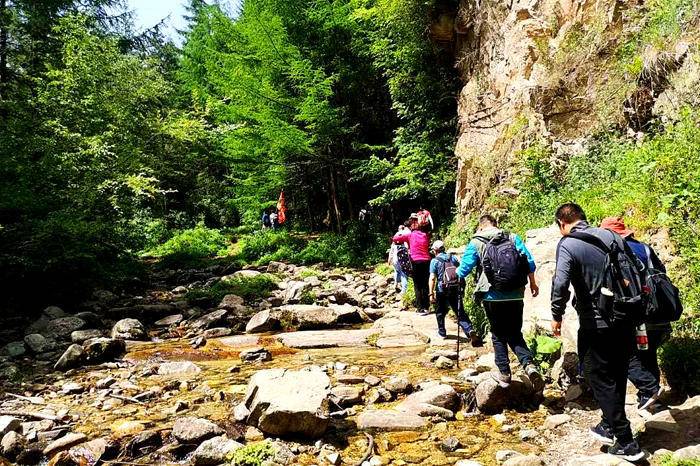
[
  {"x": 445, "y": 301},
  {"x": 421, "y": 274},
  {"x": 606, "y": 362},
  {"x": 644, "y": 370},
  {"x": 506, "y": 321}
]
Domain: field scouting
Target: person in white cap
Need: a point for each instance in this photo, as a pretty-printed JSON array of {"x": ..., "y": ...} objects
[{"x": 444, "y": 286}]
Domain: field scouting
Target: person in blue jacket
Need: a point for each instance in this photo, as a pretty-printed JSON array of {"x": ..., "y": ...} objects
[{"x": 504, "y": 310}]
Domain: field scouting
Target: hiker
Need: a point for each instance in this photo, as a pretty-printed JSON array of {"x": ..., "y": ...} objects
[
  {"x": 582, "y": 255},
  {"x": 400, "y": 259},
  {"x": 424, "y": 219},
  {"x": 504, "y": 268},
  {"x": 273, "y": 220},
  {"x": 644, "y": 370},
  {"x": 266, "y": 223},
  {"x": 444, "y": 288},
  {"x": 419, "y": 249}
]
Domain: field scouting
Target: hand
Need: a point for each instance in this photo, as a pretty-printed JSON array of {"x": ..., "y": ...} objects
[
  {"x": 432, "y": 298},
  {"x": 534, "y": 289},
  {"x": 556, "y": 328}
]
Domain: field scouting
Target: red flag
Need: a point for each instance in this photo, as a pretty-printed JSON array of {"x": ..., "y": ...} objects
[{"x": 281, "y": 209}]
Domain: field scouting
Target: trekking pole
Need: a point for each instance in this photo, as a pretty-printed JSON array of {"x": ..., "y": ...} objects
[{"x": 457, "y": 342}]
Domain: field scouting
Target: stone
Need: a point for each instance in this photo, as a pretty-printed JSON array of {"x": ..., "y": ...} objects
[
  {"x": 241, "y": 274},
  {"x": 178, "y": 368},
  {"x": 216, "y": 332},
  {"x": 504, "y": 455},
  {"x": 179, "y": 406},
  {"x": 350, "y": 379},
  {"x": 295, "y": 290},
  {"x": 129, "y": 329},
  {"x": 444, "y": 363},
  {"x": 467, "y": 374},
  {"x": 286, "y": 402},
  {"x": 12, "y": 444},
  {"x": 54, "y": 312},
  {"x": 209, "y": 320},
  {"x": 398, "y": 384},
  {"x": 345, "y": 396},
  {"x": 37, "y": 343},
  {"x": 527, "y": 434},
  {"x": 142, "y": 440},
  {"x": 467, "y": 463},
  {"x": 231, "y": 301},
  {"x": 574, "y": 392},
  {"x": 491, "y": 398},
  {"x": 214, "y": 451},
  {"x": 263, "y": 321},
  {"x": 450, "y": 444},
  {"x": 663, "y": 421},
  {"x": 72, "y": 388},
  {"x": 440, "y": 395},
  {"x": 9, "y": 424},
  {"x": 14, "y": 349},
  {"x": 64, "y": 443},
  {"x": 598, "y": 460},
  {"x": 240, "y": 413},
  {"x": 255, "y": 354},
  {"x": 105, "y": 382},
  {"x": 73, "y": 357},
  {"x": 168, "y": 321},
  {"x": 80, "y": 336},
  {"x": 372, "y": 380},
  {"x": 555, "y": 420},
  {"x": 449, "y": 354},
  {"x": 387, "y": 420},
  {"x": 98, "y": 350},
  {"x": 194, "y": 430},
  {"x": 485, "y": 363},
  {"x": 62, "y": 327},
  {"x": 275, "y": 267},
  {"x": 253, "y": 434},
  {"x": 689, "y": 453},
  {"x": 528, "y": 460},
  {"x": 126, "y": 428},
  {"x": 379, "y": 395}
]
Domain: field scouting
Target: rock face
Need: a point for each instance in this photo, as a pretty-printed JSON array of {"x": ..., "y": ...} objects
[
  {"x": 129, "y": 329},
  {"x": 283, "y": 402}
]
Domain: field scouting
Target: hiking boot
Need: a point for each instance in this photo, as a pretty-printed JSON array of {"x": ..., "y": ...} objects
[
  {"x": 629, "y": 451},
  {"x": 502, "y": 379},
  {"x": 646, "y": 401},
  {"x": 422, "y": 312},
  {"x": 535, "y": 377},
  {"x": 603, "y": 434},
  {"x": 476, "y": 340}
]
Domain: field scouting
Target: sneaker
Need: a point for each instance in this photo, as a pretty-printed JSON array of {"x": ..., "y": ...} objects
[
  {"x": 603, "y": 434},
  {"x": 502, "y": 379},
  {"x": 423, "y": 312},
  {"x": 646, "y": 401},
  {"x": 476, "y": 340},
  {"x": 535, "y": 377},
  {"x": 630, "y": 451},
  {"x": 439, "y": 337}
]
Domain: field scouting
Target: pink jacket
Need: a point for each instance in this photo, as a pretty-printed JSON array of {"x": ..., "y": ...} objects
[{"x": 418, "y": 244}]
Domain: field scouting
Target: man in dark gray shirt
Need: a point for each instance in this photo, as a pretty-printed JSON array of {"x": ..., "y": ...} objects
[{"x": 608, "y": 346}]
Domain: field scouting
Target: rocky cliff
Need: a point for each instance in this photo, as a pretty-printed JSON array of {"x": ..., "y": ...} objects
[{"x": 557, "y": 72}]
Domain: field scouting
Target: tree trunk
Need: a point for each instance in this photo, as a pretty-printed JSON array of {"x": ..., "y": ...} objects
[
  {"x": 351, "y": 210},
  {"x": 334, "y": 200},
  {"x": 3, "y": 47}
]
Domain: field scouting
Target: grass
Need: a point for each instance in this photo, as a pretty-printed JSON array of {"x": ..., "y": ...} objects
[
  {"x": 190, "y": 246},
  {"x": 667, "y": 460},
  {"x": 384, "y": 269},
  {"x": 253, "y": 454},
  {"x": 248, "y": 288}
]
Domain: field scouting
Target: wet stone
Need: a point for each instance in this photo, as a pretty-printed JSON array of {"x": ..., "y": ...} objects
[
  {"x": 255, "y": 355},
  {"x": 178, "y": 368},
  {"x": 554, "y": 421},
  {"x": 73, "y": 357},
  {"x": 170, "y": 320},
  {"x": 194, "y": 430},
  {"x": 63, "y": 443},
  {"x": 80, "y": 336},
  {"x": 450, "y": 444}
]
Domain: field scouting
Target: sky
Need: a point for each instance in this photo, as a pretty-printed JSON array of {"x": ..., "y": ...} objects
[{"x": 148, "y": 13}]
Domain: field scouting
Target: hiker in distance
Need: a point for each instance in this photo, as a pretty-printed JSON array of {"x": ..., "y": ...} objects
[
  {"x": 605, "y": 337},
  {"x": 644, "y": 370},
  {"x": 418, "y": 239},
  {"x": 445, "y": 293},
  {"x": 399, "y": 258},
  {"x": 504, "y": 267}
]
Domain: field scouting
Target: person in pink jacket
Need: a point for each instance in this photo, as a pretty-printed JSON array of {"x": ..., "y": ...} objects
[{"x": 419, "y": 248}]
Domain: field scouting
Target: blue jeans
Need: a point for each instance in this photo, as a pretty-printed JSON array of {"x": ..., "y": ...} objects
[
  {"x": 446, "y": 300},
  {"x": 506, "y": 320},
  {"x": 400, "y": 277}
]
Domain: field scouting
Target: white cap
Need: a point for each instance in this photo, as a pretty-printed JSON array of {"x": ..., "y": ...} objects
[{"x": 437, "y": 245}]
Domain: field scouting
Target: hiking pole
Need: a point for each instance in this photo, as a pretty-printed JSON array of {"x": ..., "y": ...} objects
[{"x": 458, "y": 342}]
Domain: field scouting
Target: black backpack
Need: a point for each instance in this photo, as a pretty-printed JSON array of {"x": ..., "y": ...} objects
[
  {"x": 450, "y": 279},
  {"x": 404, "y": 259},
  {"x": 505, "y": 267},
  {"x": 620, "y": 294},
  {"x": 664, "y": 304}
]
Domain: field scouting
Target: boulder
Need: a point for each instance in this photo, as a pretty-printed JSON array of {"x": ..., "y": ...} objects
[
  {"x": 526, "y": 460},
  {"x": 555, "y": 420},
  {"x": 276, "y": 267},
  {"x": 178, "y": 368},
  {"x": 169, "y": 320},
  {"x": 598, "y": 460},
  {"x": 62, "y": 327},
  {"x": 14, "y": 349},
  {"x": 240, "y": 274},
  {"x": 194, "y": 430},
  {"x": 81, "y": 336},
  {"x": 345, "y": 395},
  {"x": 53, "y": 312},
  {"x": 12, "y": 444},
  {"x": 690, "y": 454},
  {"x": 255, "y": 354},
  {"x": 9, "y": 424},
  {"x": 263, "y": 321},
  {"x": 37, "y": 343},
  {"x": 240, "y": 413},
  {"x": 98, "y": 350},
  {"x": 398, "y": 384},
  {"x": 440, "y": 395},
  {"x": 129, "y": 329},
  {"x": 64, "y": 443},
  {"x": 209, "y": 320},
  {"x": 214, "y": 451},
  {"x": 388, "y": 420},
  {"x": 295, "y": 290},
  {"x": 664, "y": 421},
  {"x": 444, "y": 363},
  {"x": 231, "y": 301},
  {"x": 73, "y": 357},
  {"x": 216, "y": 332},
  {"x": 491, "y": 398},
  {"x": 285, "y": 402}
]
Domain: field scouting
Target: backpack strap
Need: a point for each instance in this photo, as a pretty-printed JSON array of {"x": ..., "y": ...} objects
[
  {"x": 648, "y": 251},
  {"x": 590, "y": 239}
]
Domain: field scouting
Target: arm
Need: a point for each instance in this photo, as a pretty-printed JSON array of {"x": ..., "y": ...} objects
[
  {"x": 520, "y": 246},
  {"x": 469, "y": 260},
  {"x": 560, "y": 286},
  {"x": 401, "y": 238},
  {"x": 432, "y": 281}
]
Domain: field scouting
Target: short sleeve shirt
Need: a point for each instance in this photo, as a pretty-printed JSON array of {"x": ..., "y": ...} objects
[{"x": 437, "y": 267}]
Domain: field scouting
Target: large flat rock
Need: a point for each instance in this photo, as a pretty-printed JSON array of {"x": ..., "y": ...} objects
[
  {"x": 325, "y": 338},
  {"x": 388, "y": 420}
]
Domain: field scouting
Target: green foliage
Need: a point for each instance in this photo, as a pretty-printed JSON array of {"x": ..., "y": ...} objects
[
  {"x": 248, "y": 288},
  {"x": 679, "y": 358},
  {"x": 408, "y": 299},
  {"x": 667, "y": 460},
  {"x": 253, "y": 454},
  {"x": 545, "y": 349},
  {"x": 475, "y": 311},
  {"x": 191, "y": 245},
  {"x": 384, "y": 269},
  {"x": 308, "y": 297}
]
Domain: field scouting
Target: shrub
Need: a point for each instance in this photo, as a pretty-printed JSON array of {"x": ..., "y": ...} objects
[
  {"x": 248, "y": 288},
  {"x": 384, "y": 269},
  {"x": 191, "y": 245},
  {"x": 409, "y": 297},
  {"x": 679, "y": 358},
  {"x": 253, "y": 454},
  {"x": 546, "y": 350},
  {"x": 668, "y": 460},
  {"x": 267, "y": 245},
  {"x": 308, "y": 297}
]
